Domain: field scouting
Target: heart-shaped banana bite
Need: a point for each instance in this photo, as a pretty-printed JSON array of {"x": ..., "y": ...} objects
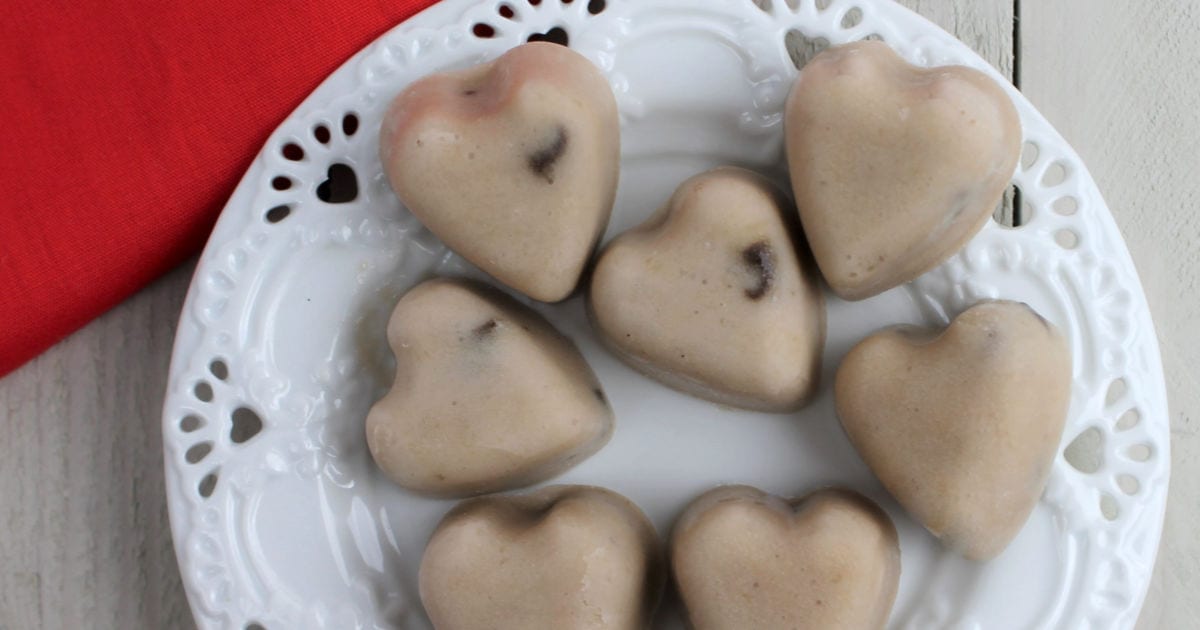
[
  {"x": 561, "y": 558},
  {"x": 894, "y": 167},
  {"x": 745, "y": 559},
  {"x": 487, "y": 396},
  {"x": 711, "y": 296},
  {"x": 961, "y": 426},
  {"x": 513, "y": 163}
]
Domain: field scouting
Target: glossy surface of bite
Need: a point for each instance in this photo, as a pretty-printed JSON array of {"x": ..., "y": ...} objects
[
  {"x": 961, "y": 425},
  {"x": 512, "y": 163},
  {"x": 746, "y": 559},
  {"x": 561, "y": 558},
  {"x": 487, "y": 395},
  {"x": 894, "y": 167},
  {"x": 711, "y": 295}
]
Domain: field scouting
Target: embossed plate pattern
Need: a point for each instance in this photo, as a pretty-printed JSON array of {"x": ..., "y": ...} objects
[{"x": 281, "y": 520}]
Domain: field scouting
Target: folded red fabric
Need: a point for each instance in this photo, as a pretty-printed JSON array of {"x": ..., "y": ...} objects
[{"x": 126, "y": 126}]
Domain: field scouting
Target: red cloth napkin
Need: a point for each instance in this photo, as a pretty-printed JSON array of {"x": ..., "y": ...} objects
[{"x": 124, "y": 127}]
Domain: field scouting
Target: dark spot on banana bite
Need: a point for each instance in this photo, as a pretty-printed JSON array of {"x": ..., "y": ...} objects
[
  {"x": 485, "y": 330},
  {"x": 761, "y": 260},
  {"x": 542, "y": 161}
]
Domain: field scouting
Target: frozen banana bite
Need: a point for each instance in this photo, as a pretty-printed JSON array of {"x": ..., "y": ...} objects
[
  {"x": 746, "y": 559},
  {"x": 894, "y": 167},
  {"x": 487, "y": 396},
  {"x": 712, "y": 296},
  {"x": 512, "y": 163},
  {"x": 561, "y": 558},
  {"x": 961, "y": 425}
]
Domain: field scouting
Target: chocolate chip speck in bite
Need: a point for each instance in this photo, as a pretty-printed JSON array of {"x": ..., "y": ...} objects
[
  {"x": 542, "y": 161},
  {"x": 485, "y": 329},
  {"x": 760, "y": 260}
]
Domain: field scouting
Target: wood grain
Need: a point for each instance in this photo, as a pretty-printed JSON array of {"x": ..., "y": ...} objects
[
  {"x": 987, "y": 27},
  {"x": 85, "y": 540},
  {"x": 1121, "y": 81}
]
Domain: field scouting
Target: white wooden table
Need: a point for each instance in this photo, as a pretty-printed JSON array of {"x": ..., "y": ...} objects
[{"x": 84, "y": 541}]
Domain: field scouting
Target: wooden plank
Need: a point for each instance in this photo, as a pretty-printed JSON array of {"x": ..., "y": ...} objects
[
  {"x": 986, "y": 26},
  {"x": 1121, "y": 81},
  {"x": 83, "y": 513}
]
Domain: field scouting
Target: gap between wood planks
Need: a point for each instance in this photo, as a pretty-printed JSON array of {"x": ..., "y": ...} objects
[
  {"x": 1010, "y": 211},
  {"x": 1015, "y": 204}
]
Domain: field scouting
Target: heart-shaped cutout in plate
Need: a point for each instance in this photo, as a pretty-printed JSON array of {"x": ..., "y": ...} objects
[{"x": 340, "y": 185}]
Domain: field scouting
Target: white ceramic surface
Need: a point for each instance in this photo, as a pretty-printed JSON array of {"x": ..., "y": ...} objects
[{"x": 295, "y": 528}]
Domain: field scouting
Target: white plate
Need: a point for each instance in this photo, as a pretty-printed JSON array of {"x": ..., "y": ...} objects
[{"x": 295, "y": 528}]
